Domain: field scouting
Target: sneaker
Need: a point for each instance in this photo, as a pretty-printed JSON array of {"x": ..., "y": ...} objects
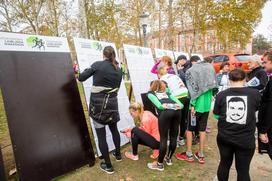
[
  {"x": 195, "y": 140},
  {"x": 185, "y": 157},
  {"x": 155, "y": 166},
  {"x": 131, "y": 156},
  {"x": 200, "y": 159},
  {"x": 168, "y": 161},
  {"x": 118, "y": 157},
  {"x": 104, "y": 168},
  {"x": 155, "y": 154},
  {"x": 181, "y": 142}
]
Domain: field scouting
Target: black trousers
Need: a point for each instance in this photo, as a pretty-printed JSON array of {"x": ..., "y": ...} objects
[
  {"x": 184, "y": 116},
  {"x": 243, "y": 158},
  {"x": 168, "y": 124},
  {"x": 139, "y": 136},
  {"x": 102, "y": 142}
]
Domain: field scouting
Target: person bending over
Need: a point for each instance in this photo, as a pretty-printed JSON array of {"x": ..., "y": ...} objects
[
  {"x": 168, "y": 108},
  {"x": 146, "y": 134}
]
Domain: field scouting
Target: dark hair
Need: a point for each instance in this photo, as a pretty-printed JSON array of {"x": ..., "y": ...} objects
[
  {"x": 208, "y": 59},
  {"x": 223, "y": 65},
  {"x": 237, "y": 75},
  {"x": 180, "y": 58},
  {"x": 194, "y": 58},
  {"x": 269, "y": 55},
  {"x": 109, "y": 53},
  {"x": 237, "y": 99}
]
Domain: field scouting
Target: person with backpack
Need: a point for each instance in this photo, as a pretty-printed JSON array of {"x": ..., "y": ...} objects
[
  {"x": 177, "y": 89},
  {"x": 103, "y": 108},
  {"x": 201, "y": 80},
  {"x": 168, "y": 108}
]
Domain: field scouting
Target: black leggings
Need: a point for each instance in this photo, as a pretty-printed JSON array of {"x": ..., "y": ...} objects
[
  {"x": 242, "y": 161},
  {"x": 139, "y": 136},
  {"x": 168, "y": 124},
  {"x": 102, "y": 141},
  {"x": 184, "y": 116}
]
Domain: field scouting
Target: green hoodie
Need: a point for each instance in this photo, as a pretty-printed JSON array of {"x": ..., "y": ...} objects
[{"x": 203, "y": 102}]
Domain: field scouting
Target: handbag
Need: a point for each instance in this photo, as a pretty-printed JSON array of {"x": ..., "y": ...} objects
[{"x": 105, "y": 112}]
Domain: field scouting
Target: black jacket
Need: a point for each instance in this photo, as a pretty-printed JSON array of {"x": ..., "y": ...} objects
[
  {"x": 265, "y": 113},
  {"x": 265, "y": 121},
  {"x": 103, "y": 107},
  {"x": 104, "y": 74},
  {"x": 182, "y": 72},
  {"x": 260, "y": 74}
]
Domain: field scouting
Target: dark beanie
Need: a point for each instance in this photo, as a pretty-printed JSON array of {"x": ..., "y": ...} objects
[{"x": 179, "y": 58}]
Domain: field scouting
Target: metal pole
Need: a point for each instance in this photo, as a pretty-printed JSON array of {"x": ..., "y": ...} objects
[
  {"x": 2, "y": 168},
  {"x": 144, "y": 33}
]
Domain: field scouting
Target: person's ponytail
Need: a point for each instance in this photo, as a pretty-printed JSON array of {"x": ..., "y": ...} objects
[{"x": 109, "y": 53}]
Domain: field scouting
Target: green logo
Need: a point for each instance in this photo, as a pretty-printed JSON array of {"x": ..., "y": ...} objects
[
  {"x": 96, "y": 46},
  {"x": 35, "y": 42}
]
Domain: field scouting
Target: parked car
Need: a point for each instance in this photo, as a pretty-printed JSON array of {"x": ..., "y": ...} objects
[{"x": 235, "y": 60}]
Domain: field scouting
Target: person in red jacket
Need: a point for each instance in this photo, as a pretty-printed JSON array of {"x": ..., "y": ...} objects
[{"x": 146, "y": 134}]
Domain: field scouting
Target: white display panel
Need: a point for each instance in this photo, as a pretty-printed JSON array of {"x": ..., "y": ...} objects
[
  {"x": 140, "y": 62},
  {"x": 89, "y": 51},
  {"x": 160, "y": 52},
  {"x": 32, "y": 43}
]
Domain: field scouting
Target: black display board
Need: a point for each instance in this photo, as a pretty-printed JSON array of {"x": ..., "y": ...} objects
[{"x": 45, "y": 115}]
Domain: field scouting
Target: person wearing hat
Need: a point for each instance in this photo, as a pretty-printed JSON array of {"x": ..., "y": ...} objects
[
  {"x": 182, "y": 66},
  {"x": 257, "y": 77}
]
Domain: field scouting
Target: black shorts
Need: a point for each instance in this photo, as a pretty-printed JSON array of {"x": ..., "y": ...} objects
[{"x": 201, "y": 122}]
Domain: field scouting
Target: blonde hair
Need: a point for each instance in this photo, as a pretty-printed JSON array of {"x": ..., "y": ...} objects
[
  {"x": 135, "y": 106},
  {"x": 161, "y": 70}
]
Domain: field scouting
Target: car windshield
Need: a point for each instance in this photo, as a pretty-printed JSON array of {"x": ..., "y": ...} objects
[{"x": 242, "y": 58}]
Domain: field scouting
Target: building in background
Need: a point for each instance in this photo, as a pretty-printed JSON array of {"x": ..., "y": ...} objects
[{"x": 204, "y": 44}]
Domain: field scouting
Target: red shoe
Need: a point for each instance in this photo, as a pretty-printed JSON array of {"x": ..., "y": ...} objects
[
  {"x": 201, "y": 160},
  {"x": 185, "y": 157}
]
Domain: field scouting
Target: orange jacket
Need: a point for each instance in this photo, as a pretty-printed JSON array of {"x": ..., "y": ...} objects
[{"x": 149, "y": 124}]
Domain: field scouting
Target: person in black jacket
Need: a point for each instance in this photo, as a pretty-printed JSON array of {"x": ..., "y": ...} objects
[
  {"x": 257, "y": 77},
  {"x": 103, "y": 107},
  {"x": 265, "y": 113},
  {"x": 182, "y": 65}
]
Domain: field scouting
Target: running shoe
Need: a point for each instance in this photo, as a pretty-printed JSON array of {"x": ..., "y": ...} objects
[
  {"x": 185, "y": 157},
  {"x": 201, "y": 160},
  {"x": 155, "y": 166},
  {"x": 108, "y": 170},
  {"x": 118, "y": 157},
  {"x": 195, "y": 140},
  {"x": 181, "y": 142},
  {"x": 168, "y": 161},
  {"x": 131, "y": 156}
]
